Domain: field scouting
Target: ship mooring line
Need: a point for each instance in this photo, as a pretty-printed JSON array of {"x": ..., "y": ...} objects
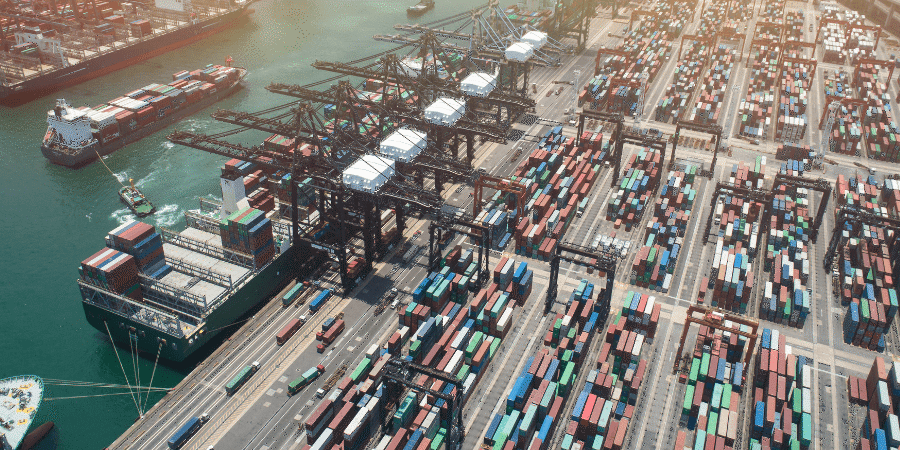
[
  {"x": 152, "y": 374},
  {"x": 121, "y": 366},
  {"x": 86, "y": 396},
  {"x": 107, "y": 168},
  {"x": 137, "y": 381},
  {"x": 98, "y": 385}
]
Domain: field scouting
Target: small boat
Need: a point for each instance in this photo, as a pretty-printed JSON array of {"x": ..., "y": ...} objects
[
  {"x": 420, "y": 8},
  {"x": 136, "y": 201}
]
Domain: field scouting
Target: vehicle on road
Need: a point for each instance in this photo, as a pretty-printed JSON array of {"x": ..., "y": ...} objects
[
  {"x": 288, "y": 331},
  {"x": 308, "y": 377},
  {"x": 232, "y": 386},
  {"x": 294, "y": 293},
  {"x": 186, "y": 431}
]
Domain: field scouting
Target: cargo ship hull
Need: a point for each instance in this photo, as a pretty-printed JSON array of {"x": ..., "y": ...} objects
[
  {"x": 41, "y": 86},
  {"x": 268, "y": 282},
  {"x": 89, "y": 154}
]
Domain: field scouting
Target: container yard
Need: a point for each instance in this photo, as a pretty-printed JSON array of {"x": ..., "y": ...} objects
[{"x": 509, "y": 264}]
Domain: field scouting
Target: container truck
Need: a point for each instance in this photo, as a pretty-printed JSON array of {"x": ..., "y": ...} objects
[
  {"x": 186, "y": 431},
  {"x": 288, "y": 331},
  {"x": 294, "y": 293},
  {"x": 311, "y": 374},
  {"x": 320, "y": 300},
  {"x": 241, "y": 378},
  {"x": 328, "y": 336}
]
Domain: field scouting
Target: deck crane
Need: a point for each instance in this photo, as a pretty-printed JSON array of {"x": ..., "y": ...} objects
[{"x": 718, "y": 319}]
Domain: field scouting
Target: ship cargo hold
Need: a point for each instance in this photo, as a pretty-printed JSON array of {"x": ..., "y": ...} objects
[
  {"x": 76, "y": 136},
  {"x": 173, "y": 292},
  {"x": 57, "y": 49}
]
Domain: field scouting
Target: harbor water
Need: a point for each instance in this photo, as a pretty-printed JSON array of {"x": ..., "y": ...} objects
[{"x": 53, "y": 217}]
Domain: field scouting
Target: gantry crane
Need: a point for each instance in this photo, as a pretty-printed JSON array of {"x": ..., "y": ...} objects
[{"x": 716, "y": 318}]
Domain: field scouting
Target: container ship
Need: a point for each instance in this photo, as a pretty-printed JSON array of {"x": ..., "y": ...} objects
[
  {"x": 76, "y": 136},
  {"x": 172, "y": 292},
  {"x": 57, "y": 45},
  {"x": 20, "y": 398}
]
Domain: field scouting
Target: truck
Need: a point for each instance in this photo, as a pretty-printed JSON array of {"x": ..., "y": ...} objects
[
  {"x": 232, "y": 386},
  {"x": 294, "y": 292},
  {"x": 311, "y": 374},
  {"x": 186, "y": 431},
  {"x": 320, "y": 300},
  {"x": 328, "y": 336},
  {"x": 288, "y": 331}
]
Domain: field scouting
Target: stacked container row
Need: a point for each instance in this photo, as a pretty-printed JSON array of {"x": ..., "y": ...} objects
[
  {"x": 641, "y": 177},
  {"x": 558, "y": 176},
  {"x": 782, "y": 396},
  {"x": 787, "y": 296},
  {"x": 655, "y": 262}
]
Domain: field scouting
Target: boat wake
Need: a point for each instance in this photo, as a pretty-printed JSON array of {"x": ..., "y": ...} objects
[
  {"x": 123, "y": 216},
  {"x": 150, "y": 177},
  {"x": 121, "y": 176},
  {"x": 168, "y": 215}
]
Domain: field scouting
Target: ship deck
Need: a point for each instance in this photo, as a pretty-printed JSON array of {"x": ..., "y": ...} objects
[
  {"x": 20, "y": 398},
  {"x": 18, "y": 69},
  {"x": 196, "y": 285}
]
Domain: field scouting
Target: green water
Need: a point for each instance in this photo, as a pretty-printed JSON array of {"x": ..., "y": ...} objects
[{"x": 51, "y": 218}]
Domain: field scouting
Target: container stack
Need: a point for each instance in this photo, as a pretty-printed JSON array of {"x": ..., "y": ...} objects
[
  {"x": 605, "y": 405},
  {"x": 794, "y": 21},
  {"x": 454, "y": 339},
  {"x": 782, "y": 396},
  {"x": 640, "y": 180},
  {"x": 711, "y": 405},
  {"x": 306, "y": 194},
  {"x": 114, "y": 271},
  {"x": 867, "y": 286},
  {"x": 534, "y": 406},
  {"x": 834, "y": 42},
  {"x": 388, "y": 228},
  {"x": 497, "y": 220},
  {"x": 141, "y": 28},
  {"x": 749, "y": 176},
  {"x": 655, "y": 262},
  {"x": 881, "y": 132},
  {"x": 731, "y": 277},
  {"x": 792, "y": 118},
  {"x": 141, "y": 241},
  {"x": 677, "y": 97},
  {"x": 756, "y": 109},
  {"x": 647, "y": 46},
  {"x": 249, "y": 231},
  {"x": 540, "y": 20},
  {"x": 641, "y": 313},
  {"x": 861, "y": 192},
  {"x": 279, "y": 144},
  {"x": 878, "y": 393},
  {"x": 846, "y": 135},
  {"x": 713, "y": 86},
  {"x": 802, "y": 154},
  {"x": 558, "y": 176},
  {"x": 890, "y": 194},
  {"x": 787, "y": 295}
]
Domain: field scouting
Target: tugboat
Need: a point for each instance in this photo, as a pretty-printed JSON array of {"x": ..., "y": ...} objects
[
  {"x": 136, "y": 201},
  {"x": 420, "y": 8}
]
